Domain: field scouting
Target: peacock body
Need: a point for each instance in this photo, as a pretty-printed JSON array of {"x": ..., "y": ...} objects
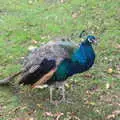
[
  {"x": 67, "y": 58},
  {"x": 55, "y": 62}
]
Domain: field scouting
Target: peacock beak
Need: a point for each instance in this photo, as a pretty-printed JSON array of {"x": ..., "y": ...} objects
[{"x": 95, "y": 41}]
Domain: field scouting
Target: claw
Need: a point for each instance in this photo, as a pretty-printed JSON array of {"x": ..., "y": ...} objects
[{"x": 56, "y": 102}]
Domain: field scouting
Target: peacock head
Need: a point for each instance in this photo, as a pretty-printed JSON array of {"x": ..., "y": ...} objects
[{"x": 91, "y": 39}]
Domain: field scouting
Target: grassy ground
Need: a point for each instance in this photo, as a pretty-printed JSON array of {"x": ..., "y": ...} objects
[{"x": 96, "y": 93}]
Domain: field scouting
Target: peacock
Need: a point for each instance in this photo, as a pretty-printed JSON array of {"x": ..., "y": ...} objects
[{"x": 54, "y": 62}]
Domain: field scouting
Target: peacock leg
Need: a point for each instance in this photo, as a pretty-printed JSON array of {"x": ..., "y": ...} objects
[
  {"x": 51, "y": 94},
  {"x": 63, "y": 93}
]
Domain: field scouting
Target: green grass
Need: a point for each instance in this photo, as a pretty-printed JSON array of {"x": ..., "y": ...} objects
[{"x": 22, "y": 22}]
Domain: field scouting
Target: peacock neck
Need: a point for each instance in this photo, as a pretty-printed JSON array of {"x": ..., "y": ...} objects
[
  {"x": 86, "y": 52},
  {"x": 82, "y": 59}
]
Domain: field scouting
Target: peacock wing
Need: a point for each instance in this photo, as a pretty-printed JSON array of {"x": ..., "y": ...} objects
[{"x": 54, "y": 51}]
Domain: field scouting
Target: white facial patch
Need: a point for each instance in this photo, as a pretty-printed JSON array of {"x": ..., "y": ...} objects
[{"x": 89, "y": 40}]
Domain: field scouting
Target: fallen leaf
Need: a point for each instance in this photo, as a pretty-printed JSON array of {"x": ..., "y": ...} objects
[
  {"x": 23, "y": 108},
  {"x": 62, "y": 1},
  {"x": 118, "y": 46},
  {"x": 10, "y": 56},
  {"x": 75, "y": 15},
  {"x": 40, "y": 105},
  {"x": 0, "y": 74},
  {"x": 30, "y": 1},
  {"x": 31, "y": 112},
  {"x": 41, "y": 86},
  {"x": 32, "y": 48},
  {"x": 107, "y": 85},
  {"x": 34, "y": 42},
  {"x": 116, "y": 112},
  {"x": 67, "y": 85},
  {"x": 113, "y": 115},
  {"x": 1, "y": 107},
  {"x": 48, "y": 114},
  {"x": 76, "y": 118},
  {"x": 90, "y": 103},
  {"x": 71, "y": 116},
  {"x": 31, "y": 118},
  {"x": 56, "y": 115},
  {"x": 110, "y": 117},
  {"x": 18, "y": 119},
  {"x": 16, "y": 109},
  {"x": 105, "y": 58},
  {"x": 88, "y": 75},
  {"x": 110, "y": 70},
  {"x": 25, "y": 29}
]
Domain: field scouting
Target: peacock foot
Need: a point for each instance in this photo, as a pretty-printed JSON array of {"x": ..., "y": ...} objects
[
  {"x": 57, "y": 102},
  {"x": 69, "y": 101}
]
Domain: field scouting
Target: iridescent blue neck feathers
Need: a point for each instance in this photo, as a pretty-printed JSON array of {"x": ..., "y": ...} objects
[{"x": 82, "y": 59}]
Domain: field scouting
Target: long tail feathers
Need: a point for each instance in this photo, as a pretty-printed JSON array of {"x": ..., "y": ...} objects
[{"x": 8, "y": 79}]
